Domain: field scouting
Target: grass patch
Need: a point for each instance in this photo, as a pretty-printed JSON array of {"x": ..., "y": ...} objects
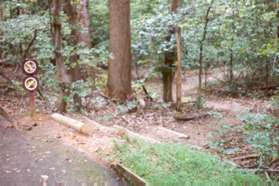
[{"x": 171, "y": 164}]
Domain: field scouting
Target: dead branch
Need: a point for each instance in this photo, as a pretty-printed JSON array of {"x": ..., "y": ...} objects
[
  {"x": 250, "y": 156},
  {"x": 189, "y": 117},
  {"x": 30, "y": 44}
]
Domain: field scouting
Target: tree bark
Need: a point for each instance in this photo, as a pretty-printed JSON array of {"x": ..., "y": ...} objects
[
  {"x": 231, "y": 67},
  {"x": 80, "y": 24},
  {"x": 1, "y": 34},
  {"x": 119, "y": 76},
  {"x": 63, "y": 77},
  {"x": 75, "y": 71},
  {"x": 84, "y": 19},
  {"x": 178, "y": 70},
  {"x": 169, "y": 61}
]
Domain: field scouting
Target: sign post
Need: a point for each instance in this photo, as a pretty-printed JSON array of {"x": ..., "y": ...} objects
[{"x": 31, "y": 83}]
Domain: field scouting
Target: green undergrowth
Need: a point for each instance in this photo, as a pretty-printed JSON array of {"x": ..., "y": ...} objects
[{"x": 172, "y": 164}]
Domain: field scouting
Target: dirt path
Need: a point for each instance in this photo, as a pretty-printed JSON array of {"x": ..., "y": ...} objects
[{"x": 26, "y": 156}]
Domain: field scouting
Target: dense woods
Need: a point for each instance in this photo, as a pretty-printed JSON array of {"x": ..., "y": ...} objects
[{"x": 199, "y": 61}]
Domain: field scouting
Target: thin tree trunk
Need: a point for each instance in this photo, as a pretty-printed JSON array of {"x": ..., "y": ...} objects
[
  {"x": 266, "y": 73},
  {"x": 119, "y": 77},
  {"x": 63, "y": 78},
  {"x": 231, "y": 66},
  {"x": 202, "y": 43},
  {"x": 178, "y": 70},
  {"x": 206, "y": 69},
  {"x": 167, "y": 71},
  {"x": 1, "y": 34}
]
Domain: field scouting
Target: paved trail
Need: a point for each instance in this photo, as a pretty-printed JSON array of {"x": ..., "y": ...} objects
[{"x": 23, "y": 160}]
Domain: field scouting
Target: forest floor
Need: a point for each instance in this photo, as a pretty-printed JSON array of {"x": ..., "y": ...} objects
[{"x": 156, "y": 120}]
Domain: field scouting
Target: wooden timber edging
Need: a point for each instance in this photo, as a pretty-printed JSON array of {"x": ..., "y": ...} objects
[
  {"x": 129, "y": 176},
  {"x": 72, "y": 123}
]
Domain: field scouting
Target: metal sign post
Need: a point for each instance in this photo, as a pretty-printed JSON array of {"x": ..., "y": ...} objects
[{"x": 31, "y": 83}]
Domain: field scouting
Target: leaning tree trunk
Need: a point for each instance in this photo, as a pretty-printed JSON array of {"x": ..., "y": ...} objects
[
  {"x": 167, "y": 70},
  {"x": 119, "y": 76},
  {"x": 63, "y": 78}
]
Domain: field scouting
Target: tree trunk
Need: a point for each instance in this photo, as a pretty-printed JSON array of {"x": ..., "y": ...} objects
[
  {"x": 231, "y": 67},
  {"x": 1, "y": 34},
  {"x": 75, "y": 71},
  {"x": 84, "y": 19},
  {"x": 85, "y": 37},
  {"x": 178, "y": 70},
  {"x": 119, "y": 76},
  {"x": 202, "y": 43},
  {"x": 63, "y": 78},
  {"x": 80, "y": 23},
  {"x": 169, "y": 61}
]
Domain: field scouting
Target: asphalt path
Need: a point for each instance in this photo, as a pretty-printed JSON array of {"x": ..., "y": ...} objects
[{"x": 24, "y": 161}]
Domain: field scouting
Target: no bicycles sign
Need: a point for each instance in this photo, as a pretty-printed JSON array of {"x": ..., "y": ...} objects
[{"x": 30, "y": 68}]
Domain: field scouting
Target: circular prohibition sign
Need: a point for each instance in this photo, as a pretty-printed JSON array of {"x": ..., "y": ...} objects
[
  {"x": 30, "y": 67},
  {"x": 31, "y": 83}
]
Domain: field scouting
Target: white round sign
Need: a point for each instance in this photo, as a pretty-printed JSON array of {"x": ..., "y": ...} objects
[
  {"x": 30, "y": 67},
  {"x": 31, "y": 84}
]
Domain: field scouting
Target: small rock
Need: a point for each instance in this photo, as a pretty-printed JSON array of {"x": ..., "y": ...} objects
[
  {"x": 47, "y": 152},
  {"x": 18, "y": 171}
]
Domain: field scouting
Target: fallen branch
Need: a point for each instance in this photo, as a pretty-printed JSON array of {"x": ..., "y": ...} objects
[
  {"x": 189, "y": 117},
  {"x": 146, "y": 93},
  {"x": 251, "y": 156},
  {"x": 262, "y": 170},
  {"x": 30, "y": 44}
]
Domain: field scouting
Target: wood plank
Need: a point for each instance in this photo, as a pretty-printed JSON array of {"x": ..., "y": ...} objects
[{"x": 128, "y": 175}]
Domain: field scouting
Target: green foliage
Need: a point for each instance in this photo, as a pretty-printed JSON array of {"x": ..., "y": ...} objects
[
  {"x": 170, "y": 164},
  {"x": 275, "y": 102},
  {"x": 247, "y": 30},
  {"x": 262, "y": 133},
  {"x": 215, "y": 114},
  {"x": 200, "y": 102}
]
